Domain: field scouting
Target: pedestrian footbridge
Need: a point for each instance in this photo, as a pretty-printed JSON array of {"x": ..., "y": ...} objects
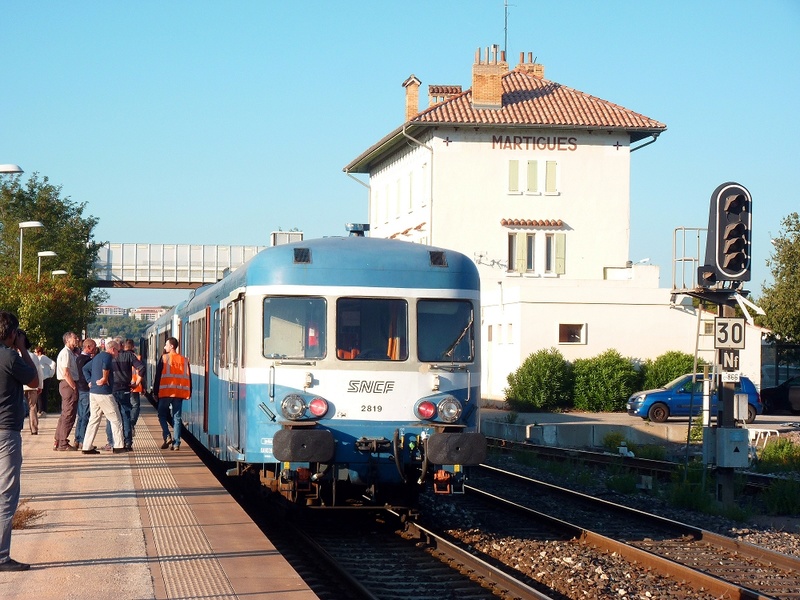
[{"x": 174, "y": 266}]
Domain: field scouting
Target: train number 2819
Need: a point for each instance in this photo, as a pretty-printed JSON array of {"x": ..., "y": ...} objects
[{"x": 371, "y": 408}]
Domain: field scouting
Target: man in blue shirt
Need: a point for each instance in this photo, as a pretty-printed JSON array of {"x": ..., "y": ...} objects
[
  {"x": 99, "y": 374},
  {"x": 16, "y": 369}
]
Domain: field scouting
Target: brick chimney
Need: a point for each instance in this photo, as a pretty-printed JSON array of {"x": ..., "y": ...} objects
[
  {"x": 412, "y": 96},
  {"x": 530, "y": 67},
  {"x": 440, "y": 93},
  {"x": 487, "y": 79}
]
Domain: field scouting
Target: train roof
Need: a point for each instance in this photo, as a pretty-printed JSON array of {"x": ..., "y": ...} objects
[{"x": 362, "y": 261}]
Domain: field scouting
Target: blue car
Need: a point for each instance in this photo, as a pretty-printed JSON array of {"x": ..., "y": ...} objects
[{"x": 676, "y": 398}]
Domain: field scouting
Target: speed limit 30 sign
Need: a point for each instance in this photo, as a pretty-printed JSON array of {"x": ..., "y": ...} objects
[{"x": 729, "y": 332}]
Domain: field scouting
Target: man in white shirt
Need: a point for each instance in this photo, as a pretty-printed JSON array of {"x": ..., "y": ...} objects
[
  {"x": 67, "y": 374},
  {"x": 48, "y": 370}
]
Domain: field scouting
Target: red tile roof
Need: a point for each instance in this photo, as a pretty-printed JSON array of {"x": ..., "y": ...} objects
[
  {"x": 533, "y": 101},
  {"x": 528, "y": 101},
  {"x": 531, "y": 222}
]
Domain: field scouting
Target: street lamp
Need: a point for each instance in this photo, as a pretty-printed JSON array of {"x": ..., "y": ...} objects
[
  {"x": 57, "y": 272},
  {"x": 39, "y": 270},
  {"x": 22, "y": 226},
  {"x": 10, "y": 169}
]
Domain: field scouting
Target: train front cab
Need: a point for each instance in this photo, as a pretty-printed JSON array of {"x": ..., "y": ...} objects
[{"x": 399, "y": 382}]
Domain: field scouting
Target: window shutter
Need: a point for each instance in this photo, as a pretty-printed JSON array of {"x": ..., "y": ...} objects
[
  {"x": 550, "y": 177},
  {"x": 513, "y": 176},
  {"x": 533, "y": 176},
  {"x": 561, "y": 253}
]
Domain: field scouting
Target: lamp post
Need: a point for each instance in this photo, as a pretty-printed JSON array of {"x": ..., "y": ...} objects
[
  {"x": 57, "y": 272},
  {"x": 23, "y": 226},
  {"x": 10, "y": 169},
  {"x": 39, "y": 270}
]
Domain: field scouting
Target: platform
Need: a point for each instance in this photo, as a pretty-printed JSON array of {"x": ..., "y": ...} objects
[{"x": 146, "y": 524}]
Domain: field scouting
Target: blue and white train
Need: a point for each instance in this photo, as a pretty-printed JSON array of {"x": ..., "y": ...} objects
[{"x": 337, "y": 368}]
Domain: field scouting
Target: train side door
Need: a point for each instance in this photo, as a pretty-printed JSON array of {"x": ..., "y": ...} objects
[{"x": 234, "y": 337}]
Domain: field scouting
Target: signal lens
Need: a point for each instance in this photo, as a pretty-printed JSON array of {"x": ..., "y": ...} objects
[
  {"x": 426, "y": 410},
  {"x": 318, "y": 407},
  {"x": 449, "y": 409},
  {"x": 293, "y": 406}
]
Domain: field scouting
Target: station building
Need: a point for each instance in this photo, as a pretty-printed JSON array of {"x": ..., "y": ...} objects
[{"x": 531, "y": 179}]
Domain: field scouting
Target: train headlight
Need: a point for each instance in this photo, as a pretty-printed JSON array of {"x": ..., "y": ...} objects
[
  {"x": 426, "y": 409},
  {"x": 318, "y": 407},
  {"x": 293, "y": 406},
  {"x": 449, "y": 409}
]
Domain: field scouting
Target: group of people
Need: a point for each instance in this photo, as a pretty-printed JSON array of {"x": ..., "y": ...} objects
[{"x": 91, "y": 383}]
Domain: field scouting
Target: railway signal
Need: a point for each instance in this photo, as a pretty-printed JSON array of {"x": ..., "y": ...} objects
[{"x": 729, "y": 231}]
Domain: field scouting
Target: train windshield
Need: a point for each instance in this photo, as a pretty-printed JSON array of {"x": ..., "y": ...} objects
[
  {"x": 371, "y": 329},
  {"x": 294, "y": 327},
  {"x": 445, "y": 331}
]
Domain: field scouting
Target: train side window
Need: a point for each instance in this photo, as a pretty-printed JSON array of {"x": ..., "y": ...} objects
[
  {"x": 371, "y": 329},
  {"x": 294, "y": 327},
  {"x": 215, "y": 331},
  {"x": 445, "y": 331}
]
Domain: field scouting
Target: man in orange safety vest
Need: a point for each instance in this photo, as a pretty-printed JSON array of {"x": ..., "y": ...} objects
[{"x": 172, "y": 385}]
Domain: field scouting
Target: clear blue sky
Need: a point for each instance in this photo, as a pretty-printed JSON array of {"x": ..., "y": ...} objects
[{"x": 219, "y": 122}]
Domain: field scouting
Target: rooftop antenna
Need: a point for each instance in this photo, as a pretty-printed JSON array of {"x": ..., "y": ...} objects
[{"x": 505, "y": 28}]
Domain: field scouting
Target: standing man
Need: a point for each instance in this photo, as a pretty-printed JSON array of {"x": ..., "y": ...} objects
[
  {"x": 172, "y": 385},
  {"x": 124, "y": 365},
  {"x": 48, "y": 370},
  {"x": 136, "y": 387},
  {"x": 87, "y": 354},
  {"x": 67, "y": 374},
  {"x": 99, "y": 374},
  {"x": 32, "y": 394},
  {"x": 16, "y": 370}
]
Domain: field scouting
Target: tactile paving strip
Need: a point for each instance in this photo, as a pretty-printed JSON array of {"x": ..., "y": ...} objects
[{"x": 188, "y": 565}]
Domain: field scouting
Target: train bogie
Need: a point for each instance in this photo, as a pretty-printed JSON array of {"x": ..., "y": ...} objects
[{"x": 342, "y": 363}]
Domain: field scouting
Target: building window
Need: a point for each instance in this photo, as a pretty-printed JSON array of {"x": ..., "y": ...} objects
[
  {"x": 708, "y": 328},
  {"x": 512, "y": 251},
  {"x": 513, "y": 177},
  {"x": 551, "y": 177},
  {"x": 533, "y": 177},
  {"x": 510, "y": 334},
  {"x": 410, "y": 192},
  {"x": 571, "y": 333},
  {"x": 530, "y": 244},
  {"x": 521, "y": 252},
  {"x": 489, "y": 333}
]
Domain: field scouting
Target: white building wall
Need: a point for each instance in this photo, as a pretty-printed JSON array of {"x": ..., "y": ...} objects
[{"x": 453, "y": 192}]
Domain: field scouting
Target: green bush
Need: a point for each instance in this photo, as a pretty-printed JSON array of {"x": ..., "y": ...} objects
[
  {"x": 543, "y": 381},
  {"x": 605, "y": 382},
  {"x": 667, "y": 367}
]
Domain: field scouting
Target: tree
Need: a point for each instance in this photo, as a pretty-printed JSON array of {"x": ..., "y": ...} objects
[
  {"x": 49, "y": 307},
  {"x": 780, "y": 300}
]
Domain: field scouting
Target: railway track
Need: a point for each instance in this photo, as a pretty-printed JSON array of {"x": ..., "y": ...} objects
[
  {"x": 709, "y": 563},
  {"x": 661, "y": 469},
  {"x": 384, "y": 559}
]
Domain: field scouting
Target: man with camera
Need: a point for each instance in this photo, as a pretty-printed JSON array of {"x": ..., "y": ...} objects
[{"x": 16, "y": 370}]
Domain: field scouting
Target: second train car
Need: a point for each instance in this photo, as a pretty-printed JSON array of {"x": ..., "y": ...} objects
[{"x": 337, "y": 368}]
